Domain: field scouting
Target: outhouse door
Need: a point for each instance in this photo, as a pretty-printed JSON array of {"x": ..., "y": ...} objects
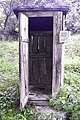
[
  {"x": 40, "y": 60},
  {"x": 23, "y": 60}
]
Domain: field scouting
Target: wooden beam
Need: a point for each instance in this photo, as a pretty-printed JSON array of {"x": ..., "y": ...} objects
[
  {"x": 38, "y": 14},
  {"x": 23, "y": 60},
  {"x": 62, "y": 65},
  {"x": 57, "y": 53},
  {"x": 62, "y": 55},
  {"x": 64, "y": 22}
]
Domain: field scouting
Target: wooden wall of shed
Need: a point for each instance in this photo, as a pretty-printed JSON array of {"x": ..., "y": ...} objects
[{"x": 57, "y": 52}]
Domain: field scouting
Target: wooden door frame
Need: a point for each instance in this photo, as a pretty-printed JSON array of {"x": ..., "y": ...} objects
[{"x": 58, "y": 53}]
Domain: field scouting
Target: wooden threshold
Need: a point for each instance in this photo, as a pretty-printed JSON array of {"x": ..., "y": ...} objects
[{"x": 37, "y": 97}]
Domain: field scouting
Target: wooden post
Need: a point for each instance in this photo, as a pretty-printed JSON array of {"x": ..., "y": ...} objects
[
  {"x": 62, "y": 55},
  {"x": 57, "y": 74},
  {"x": 23, "y": 60}
]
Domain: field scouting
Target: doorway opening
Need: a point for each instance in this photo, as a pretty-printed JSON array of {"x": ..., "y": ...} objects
[{"x": 40, "y": 55}]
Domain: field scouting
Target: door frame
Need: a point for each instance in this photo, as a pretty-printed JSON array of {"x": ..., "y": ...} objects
[{"x": 57, "y": 59}]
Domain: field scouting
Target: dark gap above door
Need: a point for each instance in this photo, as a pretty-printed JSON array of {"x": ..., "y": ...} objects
[{"x": 41, "y": 24}]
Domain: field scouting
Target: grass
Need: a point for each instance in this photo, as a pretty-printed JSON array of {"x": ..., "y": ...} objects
[
  {"x": 8, "y": 63},
  {"x": 8, "y": 78},
  {"x": 72, "y": 51},
  {"x": 9, "y": 81}
]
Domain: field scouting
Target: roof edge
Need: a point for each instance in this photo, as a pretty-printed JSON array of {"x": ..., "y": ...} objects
[{"x": 18, "y": 9}]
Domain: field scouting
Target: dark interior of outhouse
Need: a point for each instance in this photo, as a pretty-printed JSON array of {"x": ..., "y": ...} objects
[
  {"x": 41, "y": 24},
  {"x": 40, "y": 53}
]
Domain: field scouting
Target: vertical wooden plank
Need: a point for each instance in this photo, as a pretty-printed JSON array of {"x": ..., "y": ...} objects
[
  {"x": 57, "y": 52},
  {"x": 34, "y": 71},
  {"x": 62, "y": 55},
  {"x": 40, "y": 65},
  {"x": 38, "y": 69},
  {"x": 48, "y": 43},
  {"x": 23, "y": 60},
  {"x": 64, "y": 21},
  {"x": 48, "y": 71},
  {"x": 30, "y": 70},
  {"x": 41, "y": 45},
  {"x": 35, "y": 44},
  {"x": 31, "y": 43},
  {"x": 49, "y": 59},
  {"x": 62, "y": 65}
]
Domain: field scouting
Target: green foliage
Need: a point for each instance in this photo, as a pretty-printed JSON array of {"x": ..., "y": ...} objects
[
  {"x": 68, "y": 98},
  {"x": 8, "y": 63},
  {"x": 72, "y": 47},
  {"x": 27, "y": 114}
]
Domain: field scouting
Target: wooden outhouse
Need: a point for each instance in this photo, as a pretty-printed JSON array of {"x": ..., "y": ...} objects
[{"x": 41, "y": 66}]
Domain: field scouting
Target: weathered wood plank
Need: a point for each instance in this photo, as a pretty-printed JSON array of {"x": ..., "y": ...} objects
[
  {"x": 57, "y": 52},
  {"x": 35, "y": 72},
  {"x": 35, "y": 44},
  {"x": 41, "y": 46},
  {"x": 41, "y": 33},
  {"x": 23, "y": 60},
  {"x": 62, "y": 65},
  {"x": 48, "y": 43},
  {"x": 30, "y": 70},
  {"x": 40, "y": 55},
  {"x": 38, "y": 14},
  {"x": 31, "y": 43},
  {"x": 62, "y": 55}
]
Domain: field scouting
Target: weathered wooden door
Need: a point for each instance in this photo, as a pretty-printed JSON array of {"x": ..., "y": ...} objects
[
  {"x": 23, "y": 60},
  {"x": 40, "y": 59}
]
